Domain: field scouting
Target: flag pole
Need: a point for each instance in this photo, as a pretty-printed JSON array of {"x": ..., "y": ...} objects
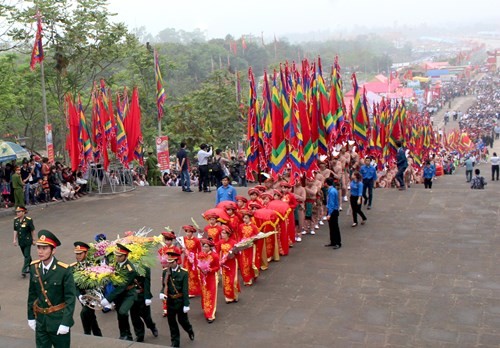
[{"x": 44, "y": 102}]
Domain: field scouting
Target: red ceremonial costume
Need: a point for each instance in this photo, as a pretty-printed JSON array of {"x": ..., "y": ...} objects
[
  {"x": 229, "y": 265},
  {"x": 208, "y": 264},
  {"x": 293, "y": 203},
  {"x": 246, "y": 258},
  {"x": 234, "y": 224},
  {"x": 193, "y": 247},
  {"x": 213, "y": 231}
]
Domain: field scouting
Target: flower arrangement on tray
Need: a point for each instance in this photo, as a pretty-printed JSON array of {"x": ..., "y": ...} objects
[{"x": 97, "y": 277}]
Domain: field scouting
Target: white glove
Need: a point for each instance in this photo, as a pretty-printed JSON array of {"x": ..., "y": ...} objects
[
  {"x": 32, "y": 324},
  {"x": 80, "y": 298},
  {"x": 163, "y": 296},
  {"x": 185, "y": 309},
  {"x": 63, "y": 330},
  {"x": 147, "y": 302},
  {"x": 105, "y": 303}
]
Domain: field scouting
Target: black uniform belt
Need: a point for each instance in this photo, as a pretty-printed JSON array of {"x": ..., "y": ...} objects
[{"x": 175, "y": 296}]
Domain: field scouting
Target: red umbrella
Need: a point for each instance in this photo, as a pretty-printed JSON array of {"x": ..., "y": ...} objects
[
  {"x": 281, "y": 208},
  {"x": 225, "y": 204},
  {"x": 221, "y": 214},
  {"x": 265, "y": 214}
]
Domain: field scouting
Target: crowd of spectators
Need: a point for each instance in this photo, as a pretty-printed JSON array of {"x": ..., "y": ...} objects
[{"x": 40, "y": 182}]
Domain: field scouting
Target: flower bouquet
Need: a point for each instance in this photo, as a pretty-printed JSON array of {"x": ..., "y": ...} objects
[
  {"x": 261, "y": 235},
  {"x": 97, "y": 277},
  {"x": 245, "y": 243}
]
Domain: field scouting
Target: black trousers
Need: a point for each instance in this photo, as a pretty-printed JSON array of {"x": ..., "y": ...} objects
[
  {"x": 140, "y": 315},
  {"x": 400, "y": 176},
  {"x": 89, "y": 322},
  {"x": 203, "y": 181},
  {"x": 356, "y": 209},
  {"x": 427, "y": 183},
  {"x": 333, "y": 225},
  {"x": 26, "y": 250},
  {"x": 175, "y": 314},
  {"x": 494, "y": 169},
  {"x": 368, "y": 186}
]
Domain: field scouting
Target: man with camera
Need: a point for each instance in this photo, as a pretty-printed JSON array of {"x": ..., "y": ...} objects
[{"x": 203, "y": 156}]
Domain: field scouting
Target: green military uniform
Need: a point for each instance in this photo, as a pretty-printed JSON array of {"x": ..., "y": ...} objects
[
  {"x": 153, "y": 173},
  {"x": 140, "y": 309},
  {"x": 17, "y": 185},
  {"x": 24, "y": 228},
  {"x": 51, "y": 297},
  {"x": 175, "y": 287},
  {"x": 124, "y": 296},
  {"x": 87, "y": 314}
]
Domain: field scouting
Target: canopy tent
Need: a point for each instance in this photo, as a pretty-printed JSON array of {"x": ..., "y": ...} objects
[{"x": 12, "y": 151}]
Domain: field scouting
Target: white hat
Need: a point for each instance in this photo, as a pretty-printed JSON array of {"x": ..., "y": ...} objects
[
  {"x": 335, "y": 153},
  {"x": 350, "y": 142}
]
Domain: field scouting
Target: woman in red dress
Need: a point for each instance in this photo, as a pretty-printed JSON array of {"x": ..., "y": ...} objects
[
  {"x": 192, "y": 247},
  {"x": 208, "y": 264},
  {"x": 246, "y": 258},
  {"x": 229, "y": 265},
  {"x": 234, "y": 220},
  {"x": 212, "y": 230}
]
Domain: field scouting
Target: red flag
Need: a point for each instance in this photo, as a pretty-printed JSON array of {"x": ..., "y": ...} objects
[
  {"x": 73, "y": 141},
  {"x": 132, "y": 126},
  {"x": 243, "y": 43},
  {"x": 37, "y": 53}
]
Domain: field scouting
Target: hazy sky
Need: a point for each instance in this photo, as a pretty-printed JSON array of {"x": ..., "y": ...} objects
[{"x": 220, "y": 17}]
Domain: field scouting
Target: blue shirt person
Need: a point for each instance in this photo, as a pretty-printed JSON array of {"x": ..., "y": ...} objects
[
  {"x": 369, "y": 174},
  {"x": 226, "y": 192},
  {"x": 332, "y": 206}
]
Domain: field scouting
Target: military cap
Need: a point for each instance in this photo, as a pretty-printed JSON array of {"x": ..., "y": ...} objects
[
  {"x": 121, "y": 249},
  {"x": 81, "y": 247},
  {"x": 47, "y": 238}
]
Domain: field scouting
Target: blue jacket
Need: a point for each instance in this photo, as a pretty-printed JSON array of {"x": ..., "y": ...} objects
[
  {"x": 368, "y": 172},
  {"x": 356, "y": 188},
  {"x": 401, "y": 158},
  {"x": 429, "y": 172},
  {"x": 225, "y": 194},
  {"x": 332, "y": 200}
]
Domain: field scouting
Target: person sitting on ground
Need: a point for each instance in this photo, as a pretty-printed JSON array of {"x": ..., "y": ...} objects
[{"x": 478, "y": 182}]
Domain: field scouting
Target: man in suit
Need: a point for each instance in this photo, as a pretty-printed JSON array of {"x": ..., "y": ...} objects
[
  {"x": 87, "y": 314},
  {"x": 176, "y": 291},
  {"x": 51, "y": 297},
  {"x": 124, "y": 294}
]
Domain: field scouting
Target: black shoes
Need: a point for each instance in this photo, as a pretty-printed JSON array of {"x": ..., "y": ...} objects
[
  {"x": 191, "y": 335},
  {"x": 139, "y": 339},
  {"x": 210, "y": 321},
  {"x": 338, "y": 246},
  {"x": 154, "y": 331}
]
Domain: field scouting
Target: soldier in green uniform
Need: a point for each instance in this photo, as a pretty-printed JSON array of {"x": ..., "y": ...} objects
[
  {"x": 152, "y": 172},
  {"x": 51, "y": 298},
  {"x": 24, "y": 235},
  {"x": 87, "y": 314},
  {"x": 175, "y": 290},
  {"x": 142, "y": 307},
  {"x": 18, "y": 186},
  {"x": 123, "y": 295}
]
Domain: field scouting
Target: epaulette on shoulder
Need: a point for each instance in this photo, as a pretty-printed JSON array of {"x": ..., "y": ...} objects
[
  {"x": 28, "y": 218},
  {"x": 73, "y": 264},
  {"x": 129, "y": 268},
  {"x": 62, "y": 264},
  {"x": 184, "y": 269},
  {"x": 35, "y": 262}
]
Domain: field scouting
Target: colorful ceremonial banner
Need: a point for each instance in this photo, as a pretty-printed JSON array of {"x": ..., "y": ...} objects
[
  {"x": 49, "y": 142},
  {"x": 162, "y": 152},
  {"x": 37, "y": 53},
  {"x": 160, "y": 91}
]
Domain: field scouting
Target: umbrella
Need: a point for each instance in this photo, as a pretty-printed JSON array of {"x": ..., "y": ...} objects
[
  {"x": 221, "y": 213},
  {"x": 225, "y": 204},
  {"x": 281, "y": 208},
  {"x": 12, "y": 151},
  {"x": 265, "y": 214}
]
